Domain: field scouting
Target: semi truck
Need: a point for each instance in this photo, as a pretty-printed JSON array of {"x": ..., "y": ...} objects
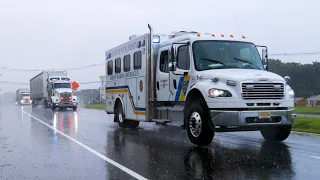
[
  {"x": 52, "y": 89},
  {"x": 22, "y": 96},
  {"x": 203, "y": 82}
]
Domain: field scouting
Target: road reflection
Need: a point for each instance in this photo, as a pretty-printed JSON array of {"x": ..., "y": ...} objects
[
  {"x": 161, "y": 158},
  {"x": 273, "y": 160},
  {"x": 64, "y": 121}
]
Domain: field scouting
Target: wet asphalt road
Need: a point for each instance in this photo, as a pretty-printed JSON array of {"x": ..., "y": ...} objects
[{"x": 31, "y": 150}]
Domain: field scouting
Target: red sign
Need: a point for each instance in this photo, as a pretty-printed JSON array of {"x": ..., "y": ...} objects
[{"x": 74, "y": 85}]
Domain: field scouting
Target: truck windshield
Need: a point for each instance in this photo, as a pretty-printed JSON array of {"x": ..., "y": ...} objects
[
  {"x": 62, "y": 85},
  {"x": 225, "y": 54},
  {"x": 25, "y": 95}
]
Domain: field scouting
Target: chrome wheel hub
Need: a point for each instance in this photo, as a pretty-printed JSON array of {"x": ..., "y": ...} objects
[{"x": 195, "y": 124}]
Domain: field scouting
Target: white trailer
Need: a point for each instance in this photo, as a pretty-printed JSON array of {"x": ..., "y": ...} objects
[
  {"x": 203, "y": 82},
  {"x": 52, "y": 89},
  {"x": 23, "y": 96}
]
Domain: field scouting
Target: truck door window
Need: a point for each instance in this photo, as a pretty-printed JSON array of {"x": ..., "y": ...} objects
[
  {"x": 126, "y": 63},
  {"x": 183, "y": 58},
  {"x": 164, "y": 61},
  {"x": 137, "y": 60},
  {"x": 110, "y": 67},
  {"x": 118, "y": 65}
]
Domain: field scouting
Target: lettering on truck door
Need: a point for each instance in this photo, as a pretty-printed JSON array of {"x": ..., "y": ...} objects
[{"x": 179, "y": 82}]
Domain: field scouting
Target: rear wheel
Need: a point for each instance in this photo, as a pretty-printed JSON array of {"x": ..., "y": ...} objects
[
  {"x": 45, "y": 104},
  {"x": 119, "y": 115},
  {"x": 33, "y": 104},
  {"x": 199, "y": 127},
  {"x": 120, "y": 118},
  {"x": 276, "y": 133}
]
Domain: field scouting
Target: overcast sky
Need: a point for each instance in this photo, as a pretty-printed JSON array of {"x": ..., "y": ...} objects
[{"x": 57, "y": 34}]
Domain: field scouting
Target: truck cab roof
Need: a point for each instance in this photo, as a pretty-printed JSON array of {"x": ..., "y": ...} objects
[{"x": 165, "y": 40}]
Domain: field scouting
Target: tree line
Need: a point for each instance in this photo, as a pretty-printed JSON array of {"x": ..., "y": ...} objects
[{"x": 305, "y": 79}]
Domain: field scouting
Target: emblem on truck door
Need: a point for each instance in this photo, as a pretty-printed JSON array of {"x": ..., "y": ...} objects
[{"x": 164, "y": 84}]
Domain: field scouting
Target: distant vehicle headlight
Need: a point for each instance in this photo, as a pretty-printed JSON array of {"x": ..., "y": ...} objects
[{"x": 219, "y": 93}]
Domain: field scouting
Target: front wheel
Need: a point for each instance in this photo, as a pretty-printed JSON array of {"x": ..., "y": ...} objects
[
  {"x": 200, "y": 130},
  {"x": 74, "y": 108},
  {"x": 276, "y": 133}
]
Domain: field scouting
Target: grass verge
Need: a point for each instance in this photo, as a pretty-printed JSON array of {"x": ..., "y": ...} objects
[
  {"x": 96, "y": 106},
  {"x": 307, "y": 124},
  {"x": 307, "y": 110}
]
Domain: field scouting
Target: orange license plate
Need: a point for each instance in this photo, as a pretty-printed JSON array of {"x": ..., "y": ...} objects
[{"x": 264, "y": 115}]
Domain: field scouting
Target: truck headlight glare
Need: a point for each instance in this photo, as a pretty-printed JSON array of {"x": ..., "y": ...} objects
[
  {"x": 219, "y": 93},
  {"x": 291, "y": 93}
]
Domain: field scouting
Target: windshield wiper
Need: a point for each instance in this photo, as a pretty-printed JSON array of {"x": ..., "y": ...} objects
[
  {"x": 215, "y": 61},
  {"x": 246, "y": 61}
]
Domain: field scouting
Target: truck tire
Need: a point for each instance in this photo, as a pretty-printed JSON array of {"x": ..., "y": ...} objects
[
  {"x": 276, "y": 133},
  {"x": 120, "y": 118},
  {"x": 53, "y": 107},
  {"x": 74, "y": 108},
  {"x": 45, "y": 104},
  {"x": 199, "y": 127},
  {"x": 119, "y": 115},
  {"x": 33, "y": 104}
]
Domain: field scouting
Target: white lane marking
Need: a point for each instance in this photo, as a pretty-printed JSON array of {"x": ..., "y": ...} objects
[
  {"x": 123, "y": 168},
  {"x": 315, "y": 157}
]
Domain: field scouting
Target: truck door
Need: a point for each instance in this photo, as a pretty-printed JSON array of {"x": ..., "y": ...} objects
[
  {"x": 162, "y": 76},
  {"x": 180, "y": 76}
]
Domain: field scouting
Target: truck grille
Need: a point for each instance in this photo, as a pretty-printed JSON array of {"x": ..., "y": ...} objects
[
  {"x": 252, "y": 91},
  {"x": 65, "y": 97}
]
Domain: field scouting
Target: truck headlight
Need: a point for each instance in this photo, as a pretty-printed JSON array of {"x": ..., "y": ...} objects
[
  {"x": 219, "y": 93},
  {"x": 291, "y": 93}
]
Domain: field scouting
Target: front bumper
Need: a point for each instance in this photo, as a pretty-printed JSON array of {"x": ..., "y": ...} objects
[
  {"x": 25, "y": 103},
  {"x": 65, "y": 104},
  {"x": 251, "y": 118}
]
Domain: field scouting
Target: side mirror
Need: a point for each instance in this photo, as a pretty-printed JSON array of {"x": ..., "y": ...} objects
[
  {"x": 172, "y": 66},
  {"x": 265, "y": 67},
  {"x": 172, "y": 54},
  {"x": 264, "y": 55},
  {"x": 287, "y": 78}
]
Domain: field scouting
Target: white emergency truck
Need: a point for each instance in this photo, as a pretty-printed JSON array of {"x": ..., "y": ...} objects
[{"x": 203, "y": 82}]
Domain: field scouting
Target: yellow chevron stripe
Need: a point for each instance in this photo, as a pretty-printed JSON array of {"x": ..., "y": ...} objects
[{"x": 113, "y": 91}]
